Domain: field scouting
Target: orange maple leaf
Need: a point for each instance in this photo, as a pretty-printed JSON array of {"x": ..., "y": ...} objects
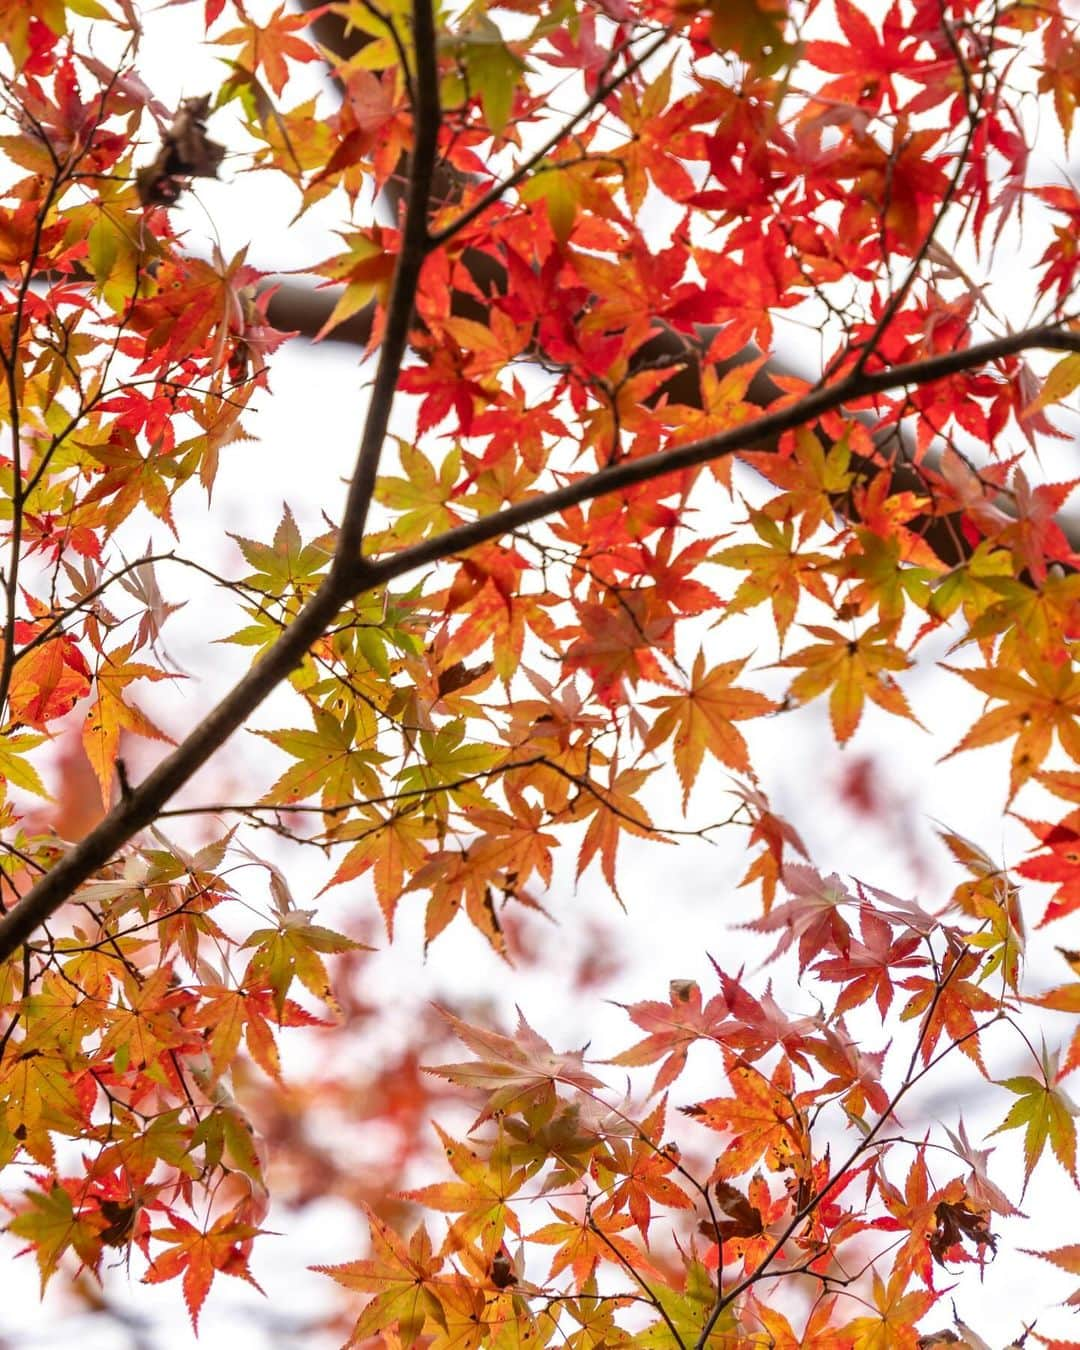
[
  {"x": 199, "y": 1254},
  {"x": 702, "y": 718},
  {"x": 763, "y": 1118},
  {"x": 898, "y": 1312},
  {"x": 1035, "y": 704},
  {"x": 110, "y": 714},
  {"x": 48, "y": 680},
  {"x": 854, "y": 669},
  {"x": 268, "y": 45}
]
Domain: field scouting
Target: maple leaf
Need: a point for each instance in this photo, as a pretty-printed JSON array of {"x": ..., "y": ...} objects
[
  {"x": 291, "y": 951},
  {"x": 269, "y": 45},
  {"x": 1065, "y": 999},
  {"x": 459, "y": 880},
  {"x": 775, "y": 833},
  {"x": 197, "y": 309},
  {"x": 199, "y": 1254},
  {"x": 687, "y": 1312},
  {"x": 48, "y": 680},
  {"x": 391, "y": 847},
  {"x": 149, "y": 1027},
  {"x": 955, "y": 1223},
  {"x": 672, "y": 1028},
  {"x": 978, "y": 1184},
  {"x": 615, "y": 811},
  {"x": 366, "y": 268},
  {"x": 493, "y": 69},
  {"x": 776, "y": 570},
  {"x": 812, "y": 915},
  {"x": 1038, "y": 703},
  {"x": 584, "y": 1242},
  {"x": 1059, "y": 863},
  {"x": 619, "y": 642},
  {"x": 856, "y": 1073},
  {"x": 1036, "y": 536},
  {"x": 723, "y": 404},
  {"x": 948, "y": 1004},
  {"x": 853, "y": 669},
  {"x": 513, "y": 1069},
  {"x": 228, "y": 1014},
  {"x": 1059, "y": 72},
  {"x": 758, "y": 1025},
  {"x": 1046, "y": 1114},
  {"x": 129, "y": 477},
  {"x": 820, "y": 1333},
  {"x": 51, "y": 1225},
  {"x": 893, "y": 189},
  {"x": 753, "y": 29},
  {"x": 1065, "y": 1258},
  {"x": 811, "y": 476},
  {"x": 422, "y": 499},
  {"x": 762, "y": 1117},
  {"x": 743, "y": 1234},
  {"x": 894, "y": 1326},
  {"x": 38, "y": 1092},
  {"x": 449, "y": 759},
  {"x": 913, "y": 1211},
  {"x": 286, "y": 564},
  {"x": 867, "y": 63},
  {"x": 656, "y": 123},
  {"x": 880, "y": 579},
  {"x": 330, "y": 761},
  {"x": 502, "y": 857},
  {"x": 489, "y": 595},
  {"x": 373, "y": 124},
  {"x": 866, "y": 970},
  {"x": 637, "y": 1173},
  {"x": 15, "y": 768},
  {"x": 703, "y": 719},
  {"x": 110, "y": 713},
  {"x": 480, "y": 1196}
]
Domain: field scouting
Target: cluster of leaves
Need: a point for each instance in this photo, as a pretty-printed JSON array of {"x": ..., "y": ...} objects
[
  {"x": 581, "y": 391},
  {"x": 773, "y": 1202}
]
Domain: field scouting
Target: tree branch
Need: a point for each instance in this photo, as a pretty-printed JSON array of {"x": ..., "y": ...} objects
[
  {"x": 350, "y": 575},
  {"x": 415, "y": 246},
  {"x": 501, "y": 188},
  {"x": 748, "y": 435}
]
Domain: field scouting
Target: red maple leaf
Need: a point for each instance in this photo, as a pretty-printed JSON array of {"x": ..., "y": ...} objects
[{"x": 1058, "y": 864}]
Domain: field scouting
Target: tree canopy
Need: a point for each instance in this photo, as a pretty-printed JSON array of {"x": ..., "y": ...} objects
[{"x": 673, "y": 313}]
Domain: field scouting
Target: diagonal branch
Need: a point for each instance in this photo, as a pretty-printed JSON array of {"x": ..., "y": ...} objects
[
  {"x": 746, "y": 436},
  {"x": 303, "y": 310},
  {"x": 350, "y": 575}
]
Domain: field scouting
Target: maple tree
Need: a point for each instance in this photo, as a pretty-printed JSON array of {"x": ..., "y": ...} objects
[{"x": 570, "y": 235}]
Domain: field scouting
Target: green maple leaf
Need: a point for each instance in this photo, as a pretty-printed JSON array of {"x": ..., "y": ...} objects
[
  {"x": 1046, "y": 1114},
  {"x": 287, "y": 563},
  {"x": 291, "y": 951},
  {"x": 51, "y": 1226}
]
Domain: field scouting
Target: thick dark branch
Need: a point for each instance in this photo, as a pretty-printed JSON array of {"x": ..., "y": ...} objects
[
  {"x": 296, "y": 308},
  {"x": 415, "y": 246},
  {"x": 747, "y": 436},
  {"x": 140, "y": 807},
  {"x": 305, "y": 311}
]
